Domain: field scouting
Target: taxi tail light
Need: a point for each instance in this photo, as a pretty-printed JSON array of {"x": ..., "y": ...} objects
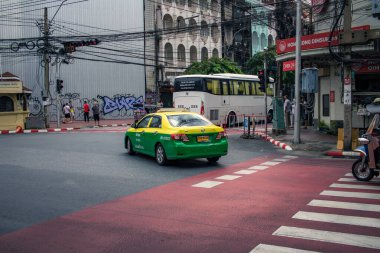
[
  {"x": 180, "y": 137},
  {"x": 221, "y": 135}
]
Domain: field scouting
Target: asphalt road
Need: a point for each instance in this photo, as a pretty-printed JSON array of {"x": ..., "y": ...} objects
[{"x": 43, "y": 176}]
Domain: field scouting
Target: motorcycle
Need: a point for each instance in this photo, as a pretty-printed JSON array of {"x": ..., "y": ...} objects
[{"x": 368, "y": 165}]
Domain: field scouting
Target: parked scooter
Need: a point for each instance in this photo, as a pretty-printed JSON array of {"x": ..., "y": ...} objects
[{"x": 368, "y": 165}]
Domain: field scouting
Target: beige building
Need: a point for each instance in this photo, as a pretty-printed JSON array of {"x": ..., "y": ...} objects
[{"x": 13, "y": 102}]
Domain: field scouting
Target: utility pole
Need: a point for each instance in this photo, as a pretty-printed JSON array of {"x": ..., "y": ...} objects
[
  {"x": 46, "y": 65},
  {"x": 296, "y": 137},
  {"x": 347, "y": 82},
  {"x": 265, "y": 93}
]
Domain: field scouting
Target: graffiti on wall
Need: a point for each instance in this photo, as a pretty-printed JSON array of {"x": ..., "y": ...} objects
[{"x": 120, "y": 102}]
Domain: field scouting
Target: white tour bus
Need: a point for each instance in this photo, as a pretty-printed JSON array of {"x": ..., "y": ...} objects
[{"x": 223, "y": 98}]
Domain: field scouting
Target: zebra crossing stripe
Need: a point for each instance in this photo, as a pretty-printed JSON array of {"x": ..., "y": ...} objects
[
  {"x": 290, "y": 157},
  {"x": 228, "y": 177},
  {"x": 348, "y": 175},
  {"x": 345, "y": 205},
  {"x": 351, "y": 194},
  {"x": 339, "y": 219},
  {"x": 245, "y": 172},
  {"x": 356, "y": 186},
  {"x": 354, "y": 180},
  {"x": 207, "y": 184},
  {"x": 258, "y": 167},
  {"x": 280, "y": 160},
  {"x": 372, "y": 242},
  {"x": 270, "y": 163},
  {"x": 266, "y": 248}
]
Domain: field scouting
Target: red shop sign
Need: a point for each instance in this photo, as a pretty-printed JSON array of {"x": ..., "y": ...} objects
[
  {"x": 370, "y": 67},
  {"x": 312, "y": 41},
  {"x": 289, "y": 65}
]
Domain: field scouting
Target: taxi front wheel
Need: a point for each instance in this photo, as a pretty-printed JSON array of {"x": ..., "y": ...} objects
[
  {"x": 130, "y": 147},
  {"x": 160, "y": 155}
]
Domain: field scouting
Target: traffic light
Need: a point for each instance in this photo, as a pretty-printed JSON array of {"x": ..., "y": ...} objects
[
  {"x": 262, "y": 81},
  {"x": 71, "y": 46},
  {"x": 59, "y": 85}
]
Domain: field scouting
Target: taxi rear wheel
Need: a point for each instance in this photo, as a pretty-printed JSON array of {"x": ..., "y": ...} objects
[
  {"x": 213, "y": 159},
  {"x": 161, "y": 155},
  {"x": 130, "y": 147}
]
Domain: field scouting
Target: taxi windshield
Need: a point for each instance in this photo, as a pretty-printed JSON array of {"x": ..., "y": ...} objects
[{"x": 181, "y": 120}]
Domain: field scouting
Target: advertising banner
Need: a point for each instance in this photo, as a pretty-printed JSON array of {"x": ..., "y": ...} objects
[{"x": 289, "y": 65}]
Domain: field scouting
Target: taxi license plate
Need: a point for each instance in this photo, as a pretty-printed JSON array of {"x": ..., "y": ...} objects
[{"x": 203, "y": 138}]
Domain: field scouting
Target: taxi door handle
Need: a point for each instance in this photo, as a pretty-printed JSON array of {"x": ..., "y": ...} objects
[
  {"x": 143, "y": 131},
  {"x": 155, "y": 132}
]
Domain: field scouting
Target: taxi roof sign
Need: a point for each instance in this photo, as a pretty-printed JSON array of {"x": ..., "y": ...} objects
[{"x": 173, "y": 110}]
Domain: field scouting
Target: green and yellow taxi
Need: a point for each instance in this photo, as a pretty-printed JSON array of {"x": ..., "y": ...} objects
[{"x": 172, "y": 134}]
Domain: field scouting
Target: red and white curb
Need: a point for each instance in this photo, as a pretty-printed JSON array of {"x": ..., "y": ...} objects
[
  {"x": 274, "y": 142},
  {"x": 339, "y": 153},
  {"x": 51, "y": 130},
  {"x": 116, "y": 125}
]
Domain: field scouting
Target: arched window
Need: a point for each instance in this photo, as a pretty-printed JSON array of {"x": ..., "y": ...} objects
[
  {"x": 263, "y": 40},
  {"x": 215, "y": 7},
  {"x": 204, "y": 54},
  {"x": 181, "y": 55},
  {"x": 215, "y": 53},
  {"x": 193, "y": 28},
  {"x": 204, "y": 30},
  {"x": 270, "y": 40},
  {"x": 255, "y": 41},
  {"x": 168, "y": 53},
  {"x": 203, "y": 4},
  {"x": 6, "y": 104},
  {"x": 193, "y": 54},
  {"x": 215, "y": 32},
  {"x": 181, "y": 24},
  {"x": 168, "y": 22}
]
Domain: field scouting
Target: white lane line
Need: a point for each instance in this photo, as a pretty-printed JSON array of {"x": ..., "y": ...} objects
[
  {"x": 328, "y": 236},
  {"x": 280, "y": 160},
  {"x": 266, "y": 248},
  {"x": 207, "y": 184},
  {"x": 258, "y": 167},
  {"x": 348, "y": 175},
  {"x": 228, "y": 177},
  {"x": 270, "y": 163},
  {"x": 245, "y": 172},
  {"x": 356, "y": 186},
  {"x": 339, "y": 219},
  {"x": 351, "y": 194},
  {"x": 290, "y": 157},
  {"x": 354, "y": 180},
  {"x": 345, "y": 205}
]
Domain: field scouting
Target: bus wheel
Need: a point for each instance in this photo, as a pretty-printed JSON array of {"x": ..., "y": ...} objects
[{"x": 231, "y": 119}]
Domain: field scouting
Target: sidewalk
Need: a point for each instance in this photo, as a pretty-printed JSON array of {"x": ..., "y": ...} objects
[{"x": 77, "y": 124}]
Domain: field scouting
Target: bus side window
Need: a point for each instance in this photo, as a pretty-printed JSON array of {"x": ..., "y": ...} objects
[
  {"x": 235, "y": 88},
  {"x": 253, "y": 85},
  {"x": 258, "y": 91},
  {"x": 209, "y": 86},
  {"x": 241, "y": 89},
  {"x": 247, "y": 88},
  {"x": 224, "y": 88},
  {"x": 213, "y": 86}
]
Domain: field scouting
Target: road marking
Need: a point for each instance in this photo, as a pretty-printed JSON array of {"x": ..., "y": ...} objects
[
  {"x": 328, "y": 236},
  {"x": 339, "y": 219},
  {"x": 207, "y": 184},
  {"x": 258, "y": 167},
  {"x": 270, "y": 163},
  {"x": 348, "y": 175},
  {"x": 245, "y": 172},
  {"x": 354, "y": 180},
  {"x": 345, "y": 205},
  {"x": 356, "y": 186},
  {"x": 351, "y": 194},
  {"x": 228, "y": 177},
  {"x": 265, "y": 248},
  {"x": 290, "y": 157},
  {"x": 280, "y": 160}
]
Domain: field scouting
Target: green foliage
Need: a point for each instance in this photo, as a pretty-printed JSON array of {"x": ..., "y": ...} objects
[
  {"x": 256, "y": 62},
  {"x": 288, "y": 77},
  {"x": 213, "y": 66}
]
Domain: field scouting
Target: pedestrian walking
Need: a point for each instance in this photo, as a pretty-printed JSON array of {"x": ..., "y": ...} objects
[
  {"x": 287, "y": 110},
  {"x": 292, "y": 112},
  {"x": 66, "y": 112},
  {"x": 95, "y": 112},
  {"x": 72, "y": 112},
  {"x": 304, "y": 112},
  {"x": 86, "y": 110}
]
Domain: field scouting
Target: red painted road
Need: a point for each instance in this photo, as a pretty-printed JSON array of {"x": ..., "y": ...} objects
[{"x": 234, "y": 216}]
